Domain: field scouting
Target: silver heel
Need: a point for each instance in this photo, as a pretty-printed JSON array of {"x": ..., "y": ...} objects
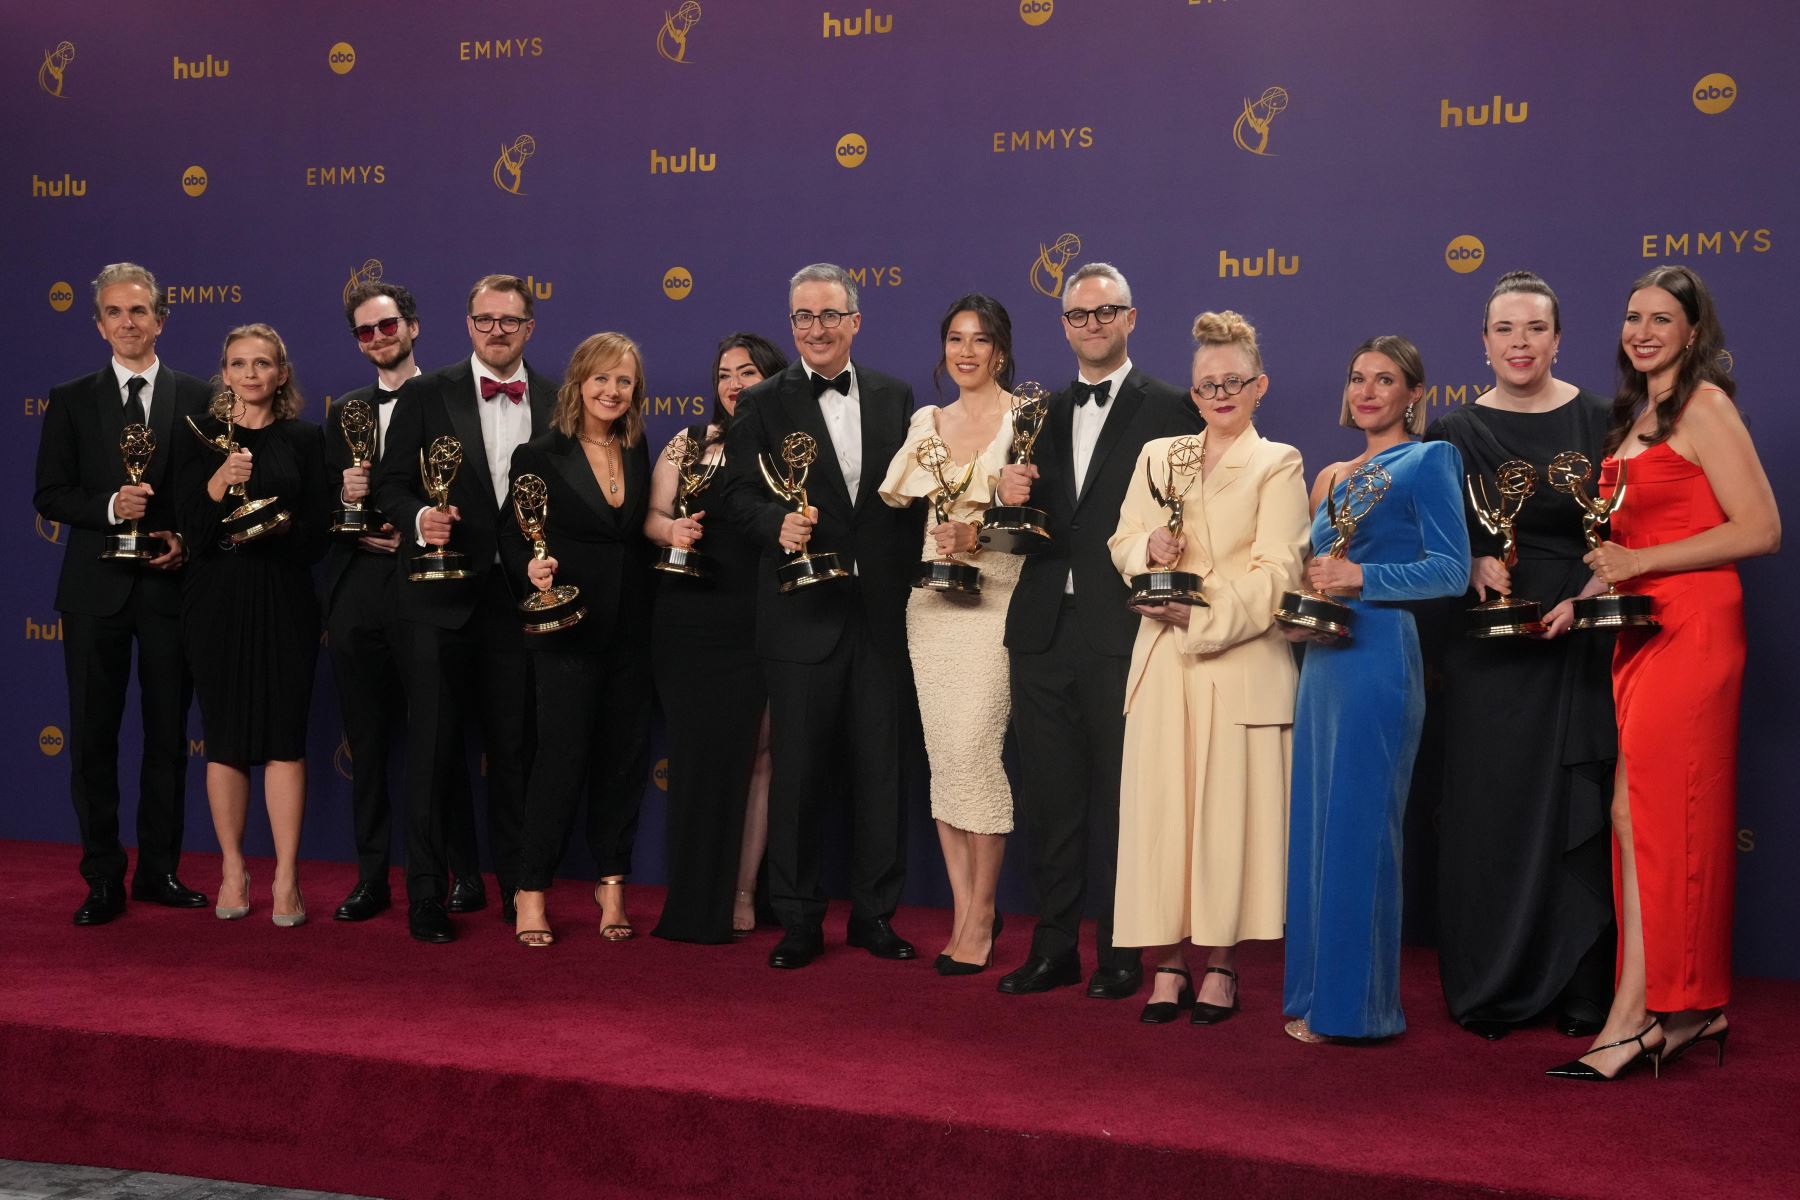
[{"x": 235, "y": 912}]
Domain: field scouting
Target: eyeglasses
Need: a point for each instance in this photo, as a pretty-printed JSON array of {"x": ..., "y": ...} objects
[
  {"x": 387, "y": 327},
  {"x": 485, "y": 323},
  {"x": 831, "y": 318},
  {"x": 1106, "y": 314},
  {"x": 1231, "y": 385}
]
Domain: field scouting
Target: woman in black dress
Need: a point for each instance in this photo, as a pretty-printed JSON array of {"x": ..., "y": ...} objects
[
  {"x": 703, "y": 643},
  {"x": 592, "y": 679},
  {"x": 249, "y": 617},
  {"x": 1525, "y": 867}
]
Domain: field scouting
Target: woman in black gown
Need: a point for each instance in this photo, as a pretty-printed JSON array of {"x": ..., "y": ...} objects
[
  {"x": 1525, "y": 868},
  {"x": 592, "y": 680},
  {"x": 710, "y": 682},
  {"x": 249, "y": 617}
]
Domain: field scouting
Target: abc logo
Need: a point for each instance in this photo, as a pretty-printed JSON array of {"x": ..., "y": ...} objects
[
  {"x": 342, "y": 58},
  {"x": 678, "y": 283},
  {"x": 1036, "y": 12},
  {"x": 852, "y": 150},
  {"x": 1464, "y": 253},
  {"x": 660, "y": 774},
  {"x": 193, "y": 180},
  {"x": 1715, "y": 93},
  {"x": 50, "y": 741},
  {"x": 62, "y": 295}
]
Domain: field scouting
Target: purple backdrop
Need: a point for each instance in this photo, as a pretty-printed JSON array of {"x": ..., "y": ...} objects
[{"x": 1332, "y": 170}]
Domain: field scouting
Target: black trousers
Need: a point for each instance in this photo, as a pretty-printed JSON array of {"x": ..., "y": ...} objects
[
  {"x": 478, "y": 671},
  {"x": 368, "y": 639},
  {"x": 593, "y": 723},
  {"x": 97, "y": 662},
  {"x": 1068, "y": 716},
  {"x": 836, "y": 737}
]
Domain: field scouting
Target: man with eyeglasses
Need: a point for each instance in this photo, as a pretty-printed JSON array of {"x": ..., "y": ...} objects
[
  {"x": 465, "y": 653},
  {"x": 843, "y": 717},
  {"x": 1070, "y": 633}
]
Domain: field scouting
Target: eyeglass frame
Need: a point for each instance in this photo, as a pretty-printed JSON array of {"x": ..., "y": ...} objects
[
  {"x": 1070, "y": 315},
  {"x": 1209, "y": 390},
  {"x": 518, "y": 323},
  {"x": 831, "y": 318},
  {"x": 374, "y": 327}
]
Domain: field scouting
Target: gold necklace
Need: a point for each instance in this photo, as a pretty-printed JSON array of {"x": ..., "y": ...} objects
[{"x": 612, "y": 469}]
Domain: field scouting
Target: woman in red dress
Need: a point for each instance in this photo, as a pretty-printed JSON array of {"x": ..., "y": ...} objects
[{"x": 1696, "y": 501}]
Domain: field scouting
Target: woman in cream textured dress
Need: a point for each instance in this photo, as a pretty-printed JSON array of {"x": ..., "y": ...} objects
[
  {"x": 1209, "y": 701},
  {"x": 957, "y": 641}
]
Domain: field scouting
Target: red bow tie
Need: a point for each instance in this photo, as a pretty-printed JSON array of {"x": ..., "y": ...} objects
[{"x": 514, "y": 391}]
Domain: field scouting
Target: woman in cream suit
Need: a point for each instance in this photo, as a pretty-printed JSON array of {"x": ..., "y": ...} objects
[{"x": 1209, "y": 702}]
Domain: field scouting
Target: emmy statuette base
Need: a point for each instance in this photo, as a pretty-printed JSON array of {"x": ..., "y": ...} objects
[
  {"x": 1014, "y": 529},
  {"x": 132, "y": 547},
  {"x": 944, "y": 575},
  {"x": 694, "y": 564},
  {"x": 1310, "y": 610},
  {"x": 1506, "y": 618},
  {"x": 1616, "y": 610},
  {"x": 807, "y": 570},
  {"x": 353, "y": 520},
  {"x": 559, "y": 607},
  {"x": 439, "y": 564},
  {"x": 1166, "y": 587},
  {"x": 253, "y": 519}
]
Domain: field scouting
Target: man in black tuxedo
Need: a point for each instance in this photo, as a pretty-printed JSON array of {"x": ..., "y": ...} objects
[
  {"x": 834, "y": 653},
  {"x": 1070, "y": 633},
  {"x": 106, "y": 605},
  {"x": 466, "y": 645}
]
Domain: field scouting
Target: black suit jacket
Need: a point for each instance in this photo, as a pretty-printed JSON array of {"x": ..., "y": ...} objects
[
  {"x": 1144, "y": 409},
  {"x": 342, "y": 550},
  {"x": 881, "y": 543},
  {"x": 430, "y": 406},
  {"x": 79, "y": 469},
  {"x": 599, "y": 549}
]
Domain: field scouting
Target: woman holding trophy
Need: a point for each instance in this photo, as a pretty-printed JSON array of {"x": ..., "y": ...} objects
[
  {"x": 254, "y": 523},
  {"x": 1694, "y": 501},
  {"x": 951, "y": 457},
  {"x": 1387, "y": 529},
  {"x": 703, "y": 647},
  {"x": 1209, "y": 701},
  {"x": 1524, "y": 850},
  {"x": 592, "y": 675}
]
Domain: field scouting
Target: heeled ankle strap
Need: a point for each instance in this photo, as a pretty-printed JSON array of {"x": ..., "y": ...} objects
[
  {"x": 1637, "y": 1037},
  {"x": 1181, "y": 971},
  {"x": 1227, "y": 972}
]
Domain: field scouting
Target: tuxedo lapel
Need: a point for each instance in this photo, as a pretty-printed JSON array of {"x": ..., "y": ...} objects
[
  {"x": 460, "y": 400},
  {"x": 883, "y": 429},
  {"x": 804, "y": 415},
  {"x": 573, "y": 465},
  {"x": 1125, "y": 407},
  {"x": 162, "y": 422},
  {"x": 1062, "y": 429},
  {"x": 542, "y": 401},
  {"x": 112, "y": 408},
  {"x": 1232, "y": 468}
]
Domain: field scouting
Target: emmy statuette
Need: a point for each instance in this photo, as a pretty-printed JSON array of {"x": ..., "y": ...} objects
[
  {"x": 798, "y": 453},
  {"x": 1504, "y": 616},
  {"x": 557, "y": 607},
  {"x": 137, "y": 446},
  {"x": 1315, "y": 610},
  {"x": 1019, "y": 528},
  {"x": 691, "y": 478},
  {"x": 357, "y": 420},
  {"x": 1185, "y": 461},
  {"x": 251, "y": 519},
  {"x": 1611, "y": 609},
  {"x": 437, "y": 471},
  {"x": 947, "y": 574}
]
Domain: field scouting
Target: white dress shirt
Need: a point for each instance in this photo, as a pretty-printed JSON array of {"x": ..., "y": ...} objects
[
  {"x": 1084, "y": 435},
  {"x": 384, "y": 413},
  {"x": 125, "y": 375},
  {"x": 843, "y": 421},
  {"x": 504, "y": 425}
]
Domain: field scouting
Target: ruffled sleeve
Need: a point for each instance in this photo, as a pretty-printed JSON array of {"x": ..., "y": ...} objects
[{"x": 907, "y": 481}]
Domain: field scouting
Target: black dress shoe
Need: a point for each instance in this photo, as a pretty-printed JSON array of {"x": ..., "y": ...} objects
[
  {"x": 1161, "y": 1012},
  {"x": 364, "y": 901},
  {"x": 1212, "y": 1014},
  {"x": 1041, "y": 973},
  {"x": 1572, "y": 1026},
  {"x": 1115, "y": 983},
  {"x": 427, "y": 921},
  {"x": 796, "y": 948},
  {"x": 878, "y": 938},
  {"x": 467, "y": 895},
  {"x": 1493, "y": 1031},
  {"x": 104, "y": 902},
  {"x": 167, "y": 891}
]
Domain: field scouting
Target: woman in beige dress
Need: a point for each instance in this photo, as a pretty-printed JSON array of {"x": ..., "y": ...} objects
[
  {"x": 1209, "y": 701},
  {"x": 957, "y": 641}
]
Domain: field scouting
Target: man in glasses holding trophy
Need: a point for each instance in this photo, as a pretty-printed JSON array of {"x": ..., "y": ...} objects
[
  {"x": 465, "y": 655},
  {"x": 833, "y": 644}
]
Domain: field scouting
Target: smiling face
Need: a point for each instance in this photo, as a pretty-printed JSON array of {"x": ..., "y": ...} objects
[
  {"x": 1656, "y": 332},
  {"x": 1377, "y": 393},
  {"x": 1521, "y": 339},
  {"x": 252, "y": 369},
  {"x": 826, "y": 351},
  {"x": 1101, "y": 348},
  {"x": 498, "y": 350},
  {"x": 385, "y": 350},
  {"x": 127, "y": 320},
  {"x": 606, "y": 395},
  {"x": 1216, "y": 369},
  {"x": 737, "y": 371},
  {"x": 970, "y": 357}
]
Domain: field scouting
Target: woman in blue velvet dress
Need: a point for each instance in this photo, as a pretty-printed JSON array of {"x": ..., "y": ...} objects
[{"x": 1361, "y": 705}]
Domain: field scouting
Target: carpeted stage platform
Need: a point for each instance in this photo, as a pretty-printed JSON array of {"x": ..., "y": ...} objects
[{"x": 350, "y": 1058}]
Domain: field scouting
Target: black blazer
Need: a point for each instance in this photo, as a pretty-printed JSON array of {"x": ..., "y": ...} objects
[
  {"x": 600, "y": 549},
  {"x": 342, "y": 550},
  {"x": 881, "y": 543},
  {"x": 432, "y": 405},
  {"x": 79, "y": 469},
  {"x": 1144, "y": 409}
]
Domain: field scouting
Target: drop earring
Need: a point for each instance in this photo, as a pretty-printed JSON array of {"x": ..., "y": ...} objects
[{"x": 1409, "y": 416}]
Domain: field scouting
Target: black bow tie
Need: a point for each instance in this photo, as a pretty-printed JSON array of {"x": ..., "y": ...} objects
[
  {"x": 1097, "y": 392},
  {"x": 837, "y": 383},
  {"x": 382, "y": 395}
]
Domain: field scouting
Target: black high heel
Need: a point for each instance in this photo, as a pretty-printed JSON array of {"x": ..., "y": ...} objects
[
  {"x": 948, "y": 966},
  {"x": 1577, "y": 1069},
  {"x": 1671, "y": 1057},
  {"x": 1161, "y": 1012},
  {"x": 1212, "y": 1014}
]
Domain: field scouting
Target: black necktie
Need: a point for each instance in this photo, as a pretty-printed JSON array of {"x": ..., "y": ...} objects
[
  {"x": 836, "y": 383},
  {"x": 134, "y": 406},
  {"x": 382, "y": 395},
  {"x": 1097, "y": 392}
]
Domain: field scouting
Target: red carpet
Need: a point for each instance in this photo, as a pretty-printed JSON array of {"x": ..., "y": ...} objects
[{"x": 350, "y": 1058}]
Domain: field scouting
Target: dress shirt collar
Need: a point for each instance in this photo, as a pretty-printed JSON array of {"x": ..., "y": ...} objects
[
  {"x": 482, "y": 372},
  {"x": 124, "y": 374}
]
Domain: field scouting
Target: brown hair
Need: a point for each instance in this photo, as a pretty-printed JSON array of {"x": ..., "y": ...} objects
[
  {"x": 502, "y": 283},
  {"x": 287, "y": 400},
  {"x": 597, "y": 351},
  {"x": 1227, "y": 329},
  {"x": 1531, "y": 284},
  {"x": 126, "y": 272},
  {"x": 1406, "y": 356},
  {"x": 1699, "y": 363}
]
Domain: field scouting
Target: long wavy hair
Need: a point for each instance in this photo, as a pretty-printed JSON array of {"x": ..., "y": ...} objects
[
  {"x": 597, "y": 352},
  {"x": 287, "y": 400},
  {"x": 768, "y": 359},
  {"x": 1698, "y": 365}
]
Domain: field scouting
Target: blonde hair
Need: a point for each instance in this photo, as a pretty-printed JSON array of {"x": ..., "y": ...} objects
[
  {"x": 287, "y": 400},
  {"x": 599, "y": 350},
  {"x": 1406, "y": 356},
  {"x": 1227, "y": 328}
]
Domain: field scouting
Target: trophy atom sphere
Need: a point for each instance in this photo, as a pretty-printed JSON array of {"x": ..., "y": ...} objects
[{"x": 799, "y": 450}]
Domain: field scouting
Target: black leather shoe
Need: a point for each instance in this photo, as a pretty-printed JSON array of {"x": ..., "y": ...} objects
[
  {"x": 427, "y": 921},
  {"x": 1493, "y": 1031},
  {"x": 1119, "y": 983},
  {"x": 167, "y": 891},
  {"x": 104, "y": 902},
  {"x": 878, "y": 938},
  {"x": 1212, "y": 1014},
  {"x": 1040, "y": 974},
  {"x": 1161, "y": 1012},
  {"x": 364, "y": 901},
  {"x": 1573, "y": 1026},
  {"x": 467, "y": 895},
  {"x": 797, "y": 948}
]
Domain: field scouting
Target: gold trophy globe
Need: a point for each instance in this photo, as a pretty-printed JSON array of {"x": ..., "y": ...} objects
[
  {"x": 1315, "y": 610},
  {"x": 798, "y": 453},
  {"x": 1504, "y": 616},
  {"x": 947, "y": 574},
  {"x": 1019, "y": 528},
  {"x": 437, "y": 471},
  {"x": 251, "y": 519},
  {"x": 356, "y": 418},
  {"x": 691, "y": 478},
  {"x": 556, "y": 607},
  {"x": 1611, "y": 609},
  {"x": 1185, "y": 460},
  {"x": 137, "y": 446}
]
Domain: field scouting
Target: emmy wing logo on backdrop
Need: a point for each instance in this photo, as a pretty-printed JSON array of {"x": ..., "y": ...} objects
[
  {"x": 340, "y": 758},
  {"x": 1725, "y": 360},
  {"x": 1464, "y": 253},
  {"x": 341, "y": 58},
  {"x": 511, "y": 162},
  {"x": 1052, "y": 261},
  {"x": 671, "y": 39},
  {"x": 50, "y": 75},
  {"x": 62, "y": 295},
  {"x": 1251, "y": 131},
  {"x": 50, "y": 531},
  {"x": 1712, "y": 95},
  {"x": 369, "y": 272}
]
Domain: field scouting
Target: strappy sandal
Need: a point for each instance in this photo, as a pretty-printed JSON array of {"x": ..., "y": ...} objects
[
  {"x": 614, "y": 933},
  {"x": 532, "y": 937},
  {"x": 1300, "y": 1031}
]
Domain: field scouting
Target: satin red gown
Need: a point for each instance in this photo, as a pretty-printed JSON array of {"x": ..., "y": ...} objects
[{"x": 1678, "y": 692}]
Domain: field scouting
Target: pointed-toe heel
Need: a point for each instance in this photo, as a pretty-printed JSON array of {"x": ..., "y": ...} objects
[
  {"x": 1716, "y": 1039},
  {"x": 1576, "y": 1069},
  {"x": 235, "y": 912}
]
